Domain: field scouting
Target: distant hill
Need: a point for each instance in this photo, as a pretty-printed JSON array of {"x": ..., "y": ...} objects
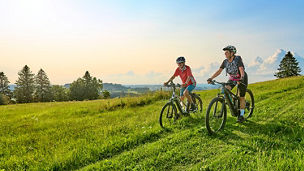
[{"x": 112, "y": 87}]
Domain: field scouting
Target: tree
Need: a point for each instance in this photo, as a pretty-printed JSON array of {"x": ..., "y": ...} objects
[
  {"x": 59, "y": 93},
  {"x": 42, "y": 87},
  {"x": 25, "y": 86},
  {"x": 77, "y": 90},
  {"x": 4, "y": 100},
  {"x": 85, "y": 88},
  {"x": 4, "y": 87},
  {"x": 288, "y": 67},
  {"x": 106, "y": 94}
]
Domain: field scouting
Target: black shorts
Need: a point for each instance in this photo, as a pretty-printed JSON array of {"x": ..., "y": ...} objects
[{"x": 241, "y": 86}]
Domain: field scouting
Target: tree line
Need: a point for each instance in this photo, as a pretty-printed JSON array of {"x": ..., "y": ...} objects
[{"x": 37, "y": 88}]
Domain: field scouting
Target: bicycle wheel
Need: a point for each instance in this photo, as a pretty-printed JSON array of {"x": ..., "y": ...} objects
[
  {"x": 249, "y": 105},
  {"x": 216, "y": 115},
  {"x": 168, "y": 115},
  {"x": 198, "y": 103}
]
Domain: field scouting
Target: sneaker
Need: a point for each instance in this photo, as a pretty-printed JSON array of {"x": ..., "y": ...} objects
[{"x": 240, "y": 119}]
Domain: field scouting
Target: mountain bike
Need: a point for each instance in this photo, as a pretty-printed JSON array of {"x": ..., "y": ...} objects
[
  {"x": 217, "y": 112},
  {"x": 173, "y": 109}
]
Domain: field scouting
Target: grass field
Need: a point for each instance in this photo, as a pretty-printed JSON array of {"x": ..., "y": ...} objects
[{"x": 124, "y": 134}]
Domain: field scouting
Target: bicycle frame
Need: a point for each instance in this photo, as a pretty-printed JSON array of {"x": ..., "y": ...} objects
[
  {"x": 175, "y": 99},
  {"x": 227, "y": 94}
]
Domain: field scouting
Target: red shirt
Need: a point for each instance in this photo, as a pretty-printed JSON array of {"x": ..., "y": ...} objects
[{"x": 184, "y": 74}]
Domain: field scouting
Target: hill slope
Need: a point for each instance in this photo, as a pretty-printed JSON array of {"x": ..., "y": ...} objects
[{"x": 103, "y": 135}]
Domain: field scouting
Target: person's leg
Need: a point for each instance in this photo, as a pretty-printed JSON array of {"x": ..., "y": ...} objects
[
  {"x": 231, "y": 84},
  {"x": 182, "y": 96},
  {"x": 182, "y": 93},
  {"x": 228, "y": 87},
  {"x": 243, "y": 88},
  {"x": 187, "y": 95},
  {"x": 242, "y": 101},
  {"x": 189, "y": 89}
]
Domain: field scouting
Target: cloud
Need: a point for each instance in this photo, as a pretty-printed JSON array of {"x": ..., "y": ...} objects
[
  {"x": 260, "y": 69},
  {"x": 263, "y": 69}
]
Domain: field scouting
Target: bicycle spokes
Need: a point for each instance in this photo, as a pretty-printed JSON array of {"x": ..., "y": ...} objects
[
  {"x": 215, "y": 115},
  {"x": 168, "y": 115},
  {"x": 249, "y": 103},
  {"x": 169, "y": 112}
]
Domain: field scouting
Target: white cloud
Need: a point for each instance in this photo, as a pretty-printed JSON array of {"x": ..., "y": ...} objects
[
  {"x": 263, "y": 69},
  {"x": 260, "y": 69}
]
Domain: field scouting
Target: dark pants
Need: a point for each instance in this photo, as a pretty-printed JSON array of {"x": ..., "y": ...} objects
[{"x": 242, "y": 87}]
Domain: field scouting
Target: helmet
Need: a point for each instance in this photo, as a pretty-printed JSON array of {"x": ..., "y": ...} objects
[
  {"x": 180, "y": 59},
  {"x": 230, "y": 48}
]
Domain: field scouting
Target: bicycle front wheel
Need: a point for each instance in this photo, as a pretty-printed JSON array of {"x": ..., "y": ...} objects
[
  {"x": 168, "y": 115},
  {"x": 216, "y": 115}
]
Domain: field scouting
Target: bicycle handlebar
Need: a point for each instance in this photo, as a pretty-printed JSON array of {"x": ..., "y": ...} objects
[
  {"x": 171, "y": 84},
  {"x": 223, "y": 83}
]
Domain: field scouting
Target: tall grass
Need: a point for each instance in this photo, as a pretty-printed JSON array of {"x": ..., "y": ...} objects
[{"x": 124, "y": 134}]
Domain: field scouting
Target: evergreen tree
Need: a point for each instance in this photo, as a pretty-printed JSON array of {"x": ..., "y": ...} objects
[
  {"x": 4, "y": 87},
  {"x": 42, "y": 87},
  {"x": 59, "y": 93},
  {"x": 85, "y": 88},
  {"x": 77, "y": 90},
  {"x": 25, "y": 86},
  {"x": 288, "y": 67}
]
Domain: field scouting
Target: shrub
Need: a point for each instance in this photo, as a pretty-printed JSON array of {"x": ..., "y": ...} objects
[{"x": 4, "y": 100}]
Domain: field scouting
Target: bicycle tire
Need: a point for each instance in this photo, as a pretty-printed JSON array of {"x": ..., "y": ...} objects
[
  {"x": 170, "y": 115},
  {"x": 216, "y": 116},
  {"x": 249, "y": 107}
]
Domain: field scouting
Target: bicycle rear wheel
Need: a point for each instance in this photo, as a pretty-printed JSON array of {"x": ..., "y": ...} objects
[
  {"x": 216, "y": 115},
  {"x": 198, "y": 104},
  {"x": 168, "y": 115},
  {"x": 249, "y": 105}
]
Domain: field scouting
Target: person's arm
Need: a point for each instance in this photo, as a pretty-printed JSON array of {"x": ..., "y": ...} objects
[
  {"x": 189, "y": 73},
  {"x": 242, "y": 72},
  {"x": 241, "y": 67},
  {"x": 217, "y": 73},
  {"x": 171, "y": 79},
  {"x": 176, "y": 73},
  {"x": 187, "y": 81}
]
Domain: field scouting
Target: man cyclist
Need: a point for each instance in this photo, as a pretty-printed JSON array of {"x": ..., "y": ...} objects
[
  {"x": 189, "y": 83},
  {"x": 236, "y": 70}
]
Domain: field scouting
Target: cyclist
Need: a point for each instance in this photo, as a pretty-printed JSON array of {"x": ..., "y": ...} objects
[
  {"x": 235, "y": 68},
  {"x": 189, "y": 83}
]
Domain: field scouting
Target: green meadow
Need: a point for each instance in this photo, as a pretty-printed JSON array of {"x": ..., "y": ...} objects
[{"x": 124, "y": 134}]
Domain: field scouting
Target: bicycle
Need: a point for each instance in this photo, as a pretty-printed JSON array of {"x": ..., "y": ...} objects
[
  {"x": 216, "y": 114},
  {"x": 169, "y": 115}
]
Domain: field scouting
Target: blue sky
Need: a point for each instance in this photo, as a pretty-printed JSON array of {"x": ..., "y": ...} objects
[{"x": 137, "y": 42}]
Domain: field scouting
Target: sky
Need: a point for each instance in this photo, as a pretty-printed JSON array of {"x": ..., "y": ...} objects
[{"x": 137, "y": 42}]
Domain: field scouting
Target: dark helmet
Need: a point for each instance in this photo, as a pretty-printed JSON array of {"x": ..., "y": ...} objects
[
  {"x": 180, "y": 59},
  {"x": 230, "y": 48}
]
